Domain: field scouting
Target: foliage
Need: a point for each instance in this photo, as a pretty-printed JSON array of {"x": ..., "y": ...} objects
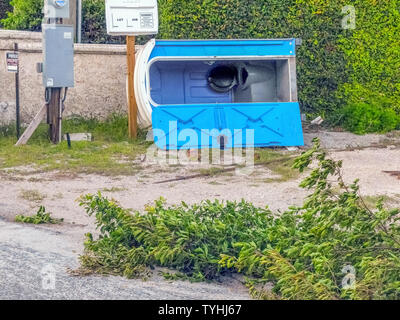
[
  {"x": 4, "y": 8},
  {"x": 94, "y": 23},
  {"x": 113, "y": 128},
  {"x": 302, "y": 251},
  {"x": 41, "y": 217},
  {"x": 309, "y": 246},
  {"x": 27, "y": 15},
  {"x": 372, "y": 51},
  {"x": 364, "y": 118},
  {"x": 187, "y": 238},
  {"x": 32, "y": 195}
]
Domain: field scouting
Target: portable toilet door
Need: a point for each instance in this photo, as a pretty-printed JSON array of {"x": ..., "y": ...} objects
[{"x": 219, "y": 93}]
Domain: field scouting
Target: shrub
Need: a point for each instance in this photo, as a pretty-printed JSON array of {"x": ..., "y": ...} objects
[
  {"x": 332, "y": 247},
  {"x": 187, "y": 238},
  {"x": 27, "y": 15},
  {"x": 363, "y": 118},
  {"x": 4, "y": 8},
  {"x": 94, "y": 23},
  {"x": 41, "y": 217},
  {"x": 372, "y": 55}
]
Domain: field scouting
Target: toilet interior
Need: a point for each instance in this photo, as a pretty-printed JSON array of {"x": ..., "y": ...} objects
[{"x": 189, "y": 81}]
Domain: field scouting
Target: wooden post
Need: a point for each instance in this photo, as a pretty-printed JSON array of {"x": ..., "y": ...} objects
[
  {"x": 72, "y": 16},
  {"x": 132, "y": 105},
  {"x": 32, "y": 127},
  {"x": 54, "y": 115},
  {"x": 17, "y": 106}
]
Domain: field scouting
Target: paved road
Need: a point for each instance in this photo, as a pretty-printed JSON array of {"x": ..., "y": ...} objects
[{"x": 34, "y": 262}]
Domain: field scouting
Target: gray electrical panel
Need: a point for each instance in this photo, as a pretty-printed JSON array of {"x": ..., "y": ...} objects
[
  {"x": 58, "y": 56},
  {"x": 56, "y": 9}
]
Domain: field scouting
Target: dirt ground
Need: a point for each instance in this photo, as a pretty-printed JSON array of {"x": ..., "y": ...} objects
[{"x": 365, "y": 159}]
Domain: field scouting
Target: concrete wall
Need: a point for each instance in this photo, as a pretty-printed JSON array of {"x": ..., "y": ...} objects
[{"x": 100, "y": 79}]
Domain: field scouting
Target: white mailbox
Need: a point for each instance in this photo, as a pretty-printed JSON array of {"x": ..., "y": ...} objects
[{"x": 132, "y": 17}]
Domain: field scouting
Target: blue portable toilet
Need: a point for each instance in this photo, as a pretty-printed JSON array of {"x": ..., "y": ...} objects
[{"x": 219, "y": 93}]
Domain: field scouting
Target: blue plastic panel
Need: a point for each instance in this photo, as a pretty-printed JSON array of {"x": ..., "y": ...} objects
[
  {"x": 183, "y": 82},
  {"x": 270, "y": 124},
  {"x": 222, "y": 48}
]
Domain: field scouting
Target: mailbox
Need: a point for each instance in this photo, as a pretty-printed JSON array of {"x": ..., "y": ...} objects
[{"x": 132, "y": 17}]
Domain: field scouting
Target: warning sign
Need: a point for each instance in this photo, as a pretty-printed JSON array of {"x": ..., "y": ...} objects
[{"x": 12, "y": 61}]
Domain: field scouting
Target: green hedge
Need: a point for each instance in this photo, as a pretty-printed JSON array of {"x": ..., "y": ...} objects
[
  {"x": 4, "y": 8},
  {"x": 27, "y": 15},
  {"x": 364, "y": 118},
  {"x": 336, "y": 67},
  {"x": 373, "y": 55},
  {"x": 94, "y": 23}
]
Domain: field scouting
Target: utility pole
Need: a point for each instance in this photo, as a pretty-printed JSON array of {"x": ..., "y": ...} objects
[
  {"x": 58, "y": 65},
  {"x": 72, "y": 16},
  {"x": 79, "y": 22},
  {"x": 54, "y": 115},
  {"x": 57, "y": 68},
  {"x": 17, "y": 104}
]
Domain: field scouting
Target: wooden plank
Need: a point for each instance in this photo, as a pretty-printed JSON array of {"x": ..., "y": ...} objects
[
  {"x": 32, "y": 127},
  {"x": 132, "y": 104},
  {"x": 393, "y": 173},
  {"x": 79, "y": 137}
]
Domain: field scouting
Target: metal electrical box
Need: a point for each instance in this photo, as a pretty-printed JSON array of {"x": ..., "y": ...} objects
[
  {"x": 56, "y": 9},
  {"x": 132, "y": 17},
  {"x": 58, "y": 55}
]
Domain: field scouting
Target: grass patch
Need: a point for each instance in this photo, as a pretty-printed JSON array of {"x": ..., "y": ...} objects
[
  {"x": 280, "y": 163},
  {"x": 58, "y": 196},
  {"x": 10, "y": 176},
  {"x": 111, "y": 152},
  {"x": 213, "y": 171},
  {"x": 370, "y": 201},
  {"x": 34, "y": 180},
  {"x": 284, "y": 170},
  {"x": 114, "y": 189},
  {"x": 215, "y": 183},
  {"x": 41, "y": 217},
  {"x": 32, "y": 195}
]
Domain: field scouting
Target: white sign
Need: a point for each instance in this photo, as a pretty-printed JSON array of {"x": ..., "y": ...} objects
[
  {"x": 50, "y": 82},
  {"x": 12, "y": 61},
  {"x": 132, "y": 17}
]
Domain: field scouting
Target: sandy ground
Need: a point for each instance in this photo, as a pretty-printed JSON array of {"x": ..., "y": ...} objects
[{"x": 25, "y": 250}]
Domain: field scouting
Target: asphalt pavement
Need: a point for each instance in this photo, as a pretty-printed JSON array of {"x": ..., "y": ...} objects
[{"x": 34, "y": 263}]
